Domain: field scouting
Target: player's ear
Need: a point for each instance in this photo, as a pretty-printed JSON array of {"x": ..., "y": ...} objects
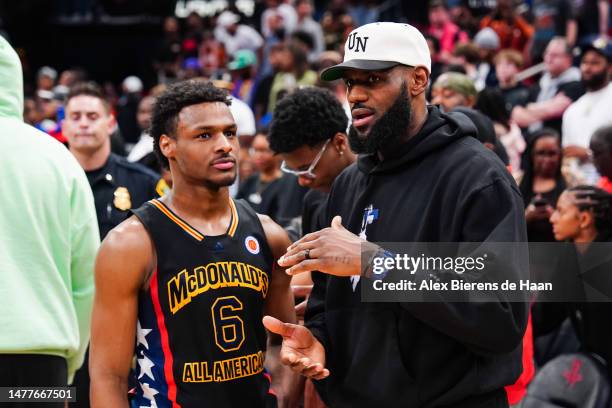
[{"x": 167, "y": 145}]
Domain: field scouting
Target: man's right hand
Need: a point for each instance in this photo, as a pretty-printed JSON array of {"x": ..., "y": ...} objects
[{"x": 300, "y": 349}]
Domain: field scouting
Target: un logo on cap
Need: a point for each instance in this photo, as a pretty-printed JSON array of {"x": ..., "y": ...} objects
[{"x": 356, "y": 42}]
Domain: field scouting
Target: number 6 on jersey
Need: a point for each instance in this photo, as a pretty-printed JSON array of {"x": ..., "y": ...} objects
[{"x": 229, "y": 328}]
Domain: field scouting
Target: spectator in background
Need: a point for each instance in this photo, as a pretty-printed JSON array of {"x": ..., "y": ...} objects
[
  {"x": 442, "y": 27},
  {"x": 190, "y": 69},
  {"x": 308, "y": 25},
  {"x": 45, "y": 79},
  {"x": 336, "y": 25},
  {"x": 31, "y": 112},
  {"x": 242, "y": 113},
  {"x": 508, "y": 64},
  {"x": 144, "y": 146},
  {"x": 243, "y": 70},
  {"x": 583, "y": 218},
  {"x": 270, "y": 191},
  {"x": 236, "y": 36},
  {"x": 194, "y": 29},
  {"x": 552, "y": 18},
  {"x": 126, "y": 110},
  {"x": 434, "y": 50},
  {"x": 294, "y": 72},
  {"x": 338, "y": 87},
  {"x": 72, "y": 76},
  {"x": 261, "y": 98},
  {"x": 557, "y": 89},
  {"x": 453, "y": 89},
  {"x": 283, "y": 12},
  {"x": 49, "y": 242},
  {"x": 601, "y": 146},
  {"x": 167, "y": 60},
  {"x": 363, "y": 11},
  {"x": 590, "y": 112},
  {"x": 490, "y": 102},
  {"x": 49, "y": 106},
  {"x": 212, "y": 55},
  {"x": 487, "y": 42},
  {"x": 466, "y": 56},
  {"x": 513, "y": 31},
  {"x": 464, "y": 17},
  {"x": 592, "y": 17},
  {"x": 542, "y": 183}
]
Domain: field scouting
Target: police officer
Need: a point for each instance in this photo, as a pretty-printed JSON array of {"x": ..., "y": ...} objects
[{"x": 117, "y": 185}]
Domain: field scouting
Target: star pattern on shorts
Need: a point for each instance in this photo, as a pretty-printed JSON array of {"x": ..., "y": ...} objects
[
  {"x": 141, "y": 335},
  {"x": 145, "y": 367},
  {"x": 149, "y": 393}
]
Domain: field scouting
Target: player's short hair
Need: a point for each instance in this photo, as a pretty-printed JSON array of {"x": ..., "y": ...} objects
[
  {"x": 169, "y": 104},
  {"x": 307, "y": 116}
]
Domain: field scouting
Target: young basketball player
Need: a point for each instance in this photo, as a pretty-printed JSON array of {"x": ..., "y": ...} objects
[{"x": 187, "y": 278}]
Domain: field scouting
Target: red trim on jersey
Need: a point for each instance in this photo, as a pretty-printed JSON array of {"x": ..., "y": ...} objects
[
  {"x": 270, "y": 390},
  {"x": 164, "y": 341}
]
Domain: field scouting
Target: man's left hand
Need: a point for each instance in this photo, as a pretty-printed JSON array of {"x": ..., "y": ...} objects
[{"x": 333, "y": 250}]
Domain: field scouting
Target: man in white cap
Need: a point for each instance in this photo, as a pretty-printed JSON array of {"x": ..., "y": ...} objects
[
  {"x": 236, "y": 36},
  {"x": 420, "y": 177}
]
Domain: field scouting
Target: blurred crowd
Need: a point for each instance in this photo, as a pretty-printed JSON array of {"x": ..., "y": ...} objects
[{"x": 521, "y": 64}]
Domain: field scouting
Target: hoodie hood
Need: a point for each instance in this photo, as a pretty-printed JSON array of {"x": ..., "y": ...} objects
[
  {"x": 438, "y": 131},
  {"x": 11, "y": 82}
]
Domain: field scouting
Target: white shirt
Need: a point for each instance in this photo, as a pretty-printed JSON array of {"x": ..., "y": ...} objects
[
  {"x": 245, "y": 38},
  {"x": 583, "y": 117},
  {"x": 244, "y": 117},
  {"x": 143, "y": 147},
  {"x": 580, "y": 120}
]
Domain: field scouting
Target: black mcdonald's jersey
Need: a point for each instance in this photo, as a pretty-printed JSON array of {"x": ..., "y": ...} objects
[{"x": 200, "y": 340}]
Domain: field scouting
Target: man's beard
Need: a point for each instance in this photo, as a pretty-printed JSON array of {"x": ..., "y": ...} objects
[
  {"x": 597, "y": 81},
  {"x": 388, "y": 130}
]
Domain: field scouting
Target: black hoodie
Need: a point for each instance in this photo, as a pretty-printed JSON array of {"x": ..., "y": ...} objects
[{"x": 441, "y": 186}]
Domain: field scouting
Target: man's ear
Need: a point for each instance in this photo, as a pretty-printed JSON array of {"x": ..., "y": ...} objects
[
  {"x": 340, "y": 142},
  {"x": 112, "y": 123},
  {"x": 419, "y": 81},
  {"x": 167, "y": 145}
]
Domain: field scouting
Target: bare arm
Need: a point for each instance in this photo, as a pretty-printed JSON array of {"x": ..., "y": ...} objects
[
  {"x": 571, "y": 32},
  {"x": 536, "y": 112},
  {"x": 581, "y": 153},
  {"x": 279, "y": 302},
  {"x": 604, "y": 14},
  {"x": 124, "y": 258}
]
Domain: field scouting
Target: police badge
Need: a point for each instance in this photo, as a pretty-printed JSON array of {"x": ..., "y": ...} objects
[{"x": 122, "y": 199}]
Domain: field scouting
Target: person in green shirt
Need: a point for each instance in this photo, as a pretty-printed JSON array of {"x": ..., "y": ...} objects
[{"x": 49, "y": 236}]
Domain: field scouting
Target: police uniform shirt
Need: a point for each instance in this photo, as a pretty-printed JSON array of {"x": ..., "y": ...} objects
[{"x": 120, "y": 186}]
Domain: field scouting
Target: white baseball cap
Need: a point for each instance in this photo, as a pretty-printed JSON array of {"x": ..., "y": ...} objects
[{"x": 379, "y": 46}]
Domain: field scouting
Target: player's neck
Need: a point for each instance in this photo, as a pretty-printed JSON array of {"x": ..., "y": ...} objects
[{"x": 198, "y": 201}]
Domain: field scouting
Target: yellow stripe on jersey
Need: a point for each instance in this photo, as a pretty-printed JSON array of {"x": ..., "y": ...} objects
[
  {"x": 161, "y": 207},
  {"x": 234, "y": 224}
]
